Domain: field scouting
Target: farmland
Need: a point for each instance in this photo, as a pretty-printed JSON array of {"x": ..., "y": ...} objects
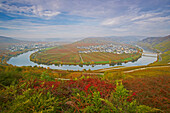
[{"x": 70, "y": 54}]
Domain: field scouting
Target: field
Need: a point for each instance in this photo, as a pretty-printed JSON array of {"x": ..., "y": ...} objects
[
  {"x": 68, "y": 54},
  {"x": 106, "y": 57},
  {"x": 58, "y": 55}
]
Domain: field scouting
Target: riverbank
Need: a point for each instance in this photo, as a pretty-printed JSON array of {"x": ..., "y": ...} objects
[
  {"x": 24, "y": 60},
  {"x": 6, "y": 56},
  {"x": 108, "y": 58},
  {"x": 72, "y": 55}
]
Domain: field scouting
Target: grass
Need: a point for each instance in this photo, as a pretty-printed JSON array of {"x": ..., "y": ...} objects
[
  {"x": 119, "y": 68},
  {"x": 50, "y": 48},
  {"x": 102, "y": 62},
  {"x": 152, "y": 71},
  {"x": 165, "y": 58}
]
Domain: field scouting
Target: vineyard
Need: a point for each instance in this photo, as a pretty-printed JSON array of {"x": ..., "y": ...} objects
[
  {"x": 68, "y": 54},
  {"x": 36, "y": 89}
]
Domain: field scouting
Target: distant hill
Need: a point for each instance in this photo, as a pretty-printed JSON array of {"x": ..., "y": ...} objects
[
  {"x": 121, "y": 39},
  {"x": 112, "y": 39},
  {"x": 158, "y": 43},
  {"x": 118, "y": 39},
  {"x": 94, "y": 40},
  {"x": 4, "y": 39},
  {"x": 124, "y": 39}
]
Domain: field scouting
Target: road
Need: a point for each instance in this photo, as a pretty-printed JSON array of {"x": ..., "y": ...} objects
[
  {"x": 81, "y": 58},
  {"x": 144, "y": 68},
  {"x": 160, "y": 58},
  {"x": 94, "y": 74}
]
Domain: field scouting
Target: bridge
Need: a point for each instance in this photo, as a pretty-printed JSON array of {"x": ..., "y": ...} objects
[{"x": 149, "y": 54}]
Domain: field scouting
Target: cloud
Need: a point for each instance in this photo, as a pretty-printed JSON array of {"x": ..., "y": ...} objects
[
  {"x": 39, "y": 11},
  {"x": 30, "y": 10},
  {"x": 34, "y": 30},
  {"x": 84, "y": 8},
  {"x": 120, "y": 29},
  {"x": 83, "y": 18},
  {"x": 117, "y": 20},
  {"x": 144, "y": 16},
  {"x": 139, "y": 17},
  {"x": 159, "y": 19},
  {"x": 50, "y": 13},
  {"x": 112, "y": 21}
]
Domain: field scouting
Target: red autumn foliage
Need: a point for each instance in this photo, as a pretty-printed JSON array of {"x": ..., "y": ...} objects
[
  {"x": 151, "y": 91},
  {"x": 104, "y": 87},
  {"x": 65, "y": 87},
  {"x": 130, "y": 98},
  {"x": 42, "y": 85}
]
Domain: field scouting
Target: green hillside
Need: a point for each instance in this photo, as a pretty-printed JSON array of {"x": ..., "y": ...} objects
[{"x": 160, "y": 45}]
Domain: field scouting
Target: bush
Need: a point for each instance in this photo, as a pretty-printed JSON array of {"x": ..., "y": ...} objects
[
  {"x": 120, "y": 100},
  {"x": 7, "y": 78},
  {"x": 151, "y": 91},
  {"x": 45, "y": 76},
  {"x": 29, "y": 101},
  {"x": 82, "y": 95}
]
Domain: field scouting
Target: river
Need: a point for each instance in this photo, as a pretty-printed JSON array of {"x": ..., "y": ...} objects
[{"x": 24, "y": 60}]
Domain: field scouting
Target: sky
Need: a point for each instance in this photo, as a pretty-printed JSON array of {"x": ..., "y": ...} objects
[{"x": 84, "y": 18}]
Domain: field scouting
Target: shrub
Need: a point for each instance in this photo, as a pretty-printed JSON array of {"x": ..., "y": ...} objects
[
  {"x": 32, "y": 101},
  {"x": 151, "y": 91},
  {"x": 122, "y": 100},
  {"x": 45, "y": 76},
  {"x": 82, "y": 95},
  {"x": 7, "y": 78}
]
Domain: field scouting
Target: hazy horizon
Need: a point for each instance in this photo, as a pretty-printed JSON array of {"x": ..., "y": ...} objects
[{"x": 74, "y": 19}]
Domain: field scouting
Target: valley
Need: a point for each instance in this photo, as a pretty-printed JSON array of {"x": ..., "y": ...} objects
[
  {"x": 145, "y": 84},
  {"x": 84, "y": 56}
]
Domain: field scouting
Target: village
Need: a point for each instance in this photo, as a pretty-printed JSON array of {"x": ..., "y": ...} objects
[
  {"x": 109, "y": 48},
  {"x": 33, "y": 45}
]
